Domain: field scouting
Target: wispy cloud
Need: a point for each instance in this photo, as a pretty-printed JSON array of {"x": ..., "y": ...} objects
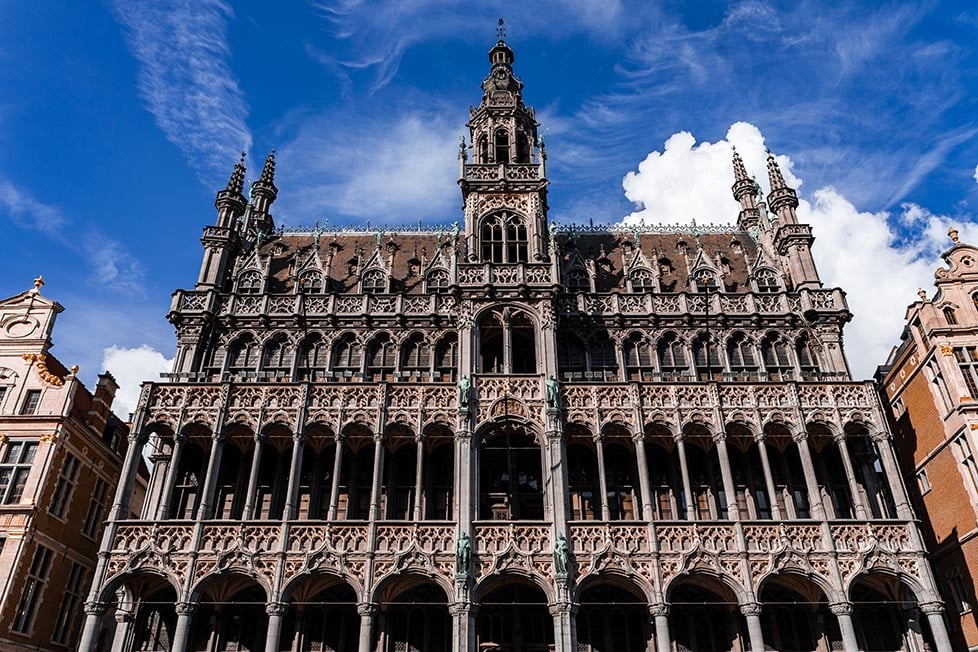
[
  {"x": 112, "y": 265},
  {"x": 186, "y": 80}
]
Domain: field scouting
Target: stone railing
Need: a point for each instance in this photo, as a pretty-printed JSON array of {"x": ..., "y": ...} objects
[
  {"x": 500, "y": 172},
  {"x": 499, "y": 274},
  {"x": 702, "y": 304}
]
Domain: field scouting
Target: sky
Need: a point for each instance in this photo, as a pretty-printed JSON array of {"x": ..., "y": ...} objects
[{"x": 119, "y": 121}]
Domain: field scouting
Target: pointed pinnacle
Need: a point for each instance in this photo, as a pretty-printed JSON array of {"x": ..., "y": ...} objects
[
  {"x": 236, "y": 181},
  {"x": 268, "y": 171},
  {"x": 740, "y": 172},
  {"x": 774, "y": 172}
]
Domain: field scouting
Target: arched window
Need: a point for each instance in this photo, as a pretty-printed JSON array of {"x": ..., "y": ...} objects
[
  {"x": 578, "y": 280},
  {"x": 313, "y": 358},
  {"x": 380, "y": 357},
  {"x": 374, "y": 281},
  {"x": 416, "y": 354},
  {"x": 446, "y": 357},
  {"x": 511, "y": 476},
  {"x": 706, "y": 281},
  {"x": 483, "y": 149},
  {"x": 777, "y": 359},
  {"x": 250, "y": 283},
  {"x": 767, "y": 282},
  {"x": 974, "y": 300},
  {"x": 742, "y": 358},
  {"x": 311, "y": 283},
  {"x": 639, "y": 357},
  {"x": 437, "y": 280},
  {"x": 346, "y": 355},
  {"x": 502, "y": 146},
  {"x": 642, "y": 280},
  {"x": 672, "y": 357},
  {"x": 507, "y": 343},
  {"x": 504, "y": 239},
  {"x": 522, "y": 148},
  {"x": 807, "y": 361},
  {"x": 277, "y": 358},
  {"x": 602, "y": 360},
  {"x": 706, "y": 352},
  {"x": 243, "y": 355},
  {"x": 571, "y": 357},
  {"x": 949, "y": 316}
]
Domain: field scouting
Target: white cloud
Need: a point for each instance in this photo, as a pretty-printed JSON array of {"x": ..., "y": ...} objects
[
  {"x": 862, "y": 252},
  {"x": 131, "y": 367},
  {"x": 186, "y": 81},
  {"x": 976, "y": 173},
  {"x": 395, "y": 169},
  {"x": 27, "y": 212}
]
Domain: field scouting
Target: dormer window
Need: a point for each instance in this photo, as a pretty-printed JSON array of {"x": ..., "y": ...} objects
[
  {"x": 578, "y": 281},
  {"x": 767, "y": 282},
  {"x": 311, "y": 283},
  {"x": 374, "y": 281},
  {"x": 250, "y": 283},
  {"x": 642, "y": 280},
  {"x": 437, "y": 280},
  {"x": 504, "y": 239},
  {"x": 706, "y": 282}
]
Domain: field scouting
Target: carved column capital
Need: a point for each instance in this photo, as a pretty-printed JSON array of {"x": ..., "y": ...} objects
[
  {"x": 760, "y": 437},
  {"x": 638, "y": 436},
  {"x": 368, "y": 609},
  {"x": 277, "y": 608},
  {"x": 750, "y": 609},
  {"x": 841, "y": 608},
  {"x": 679, "y": 437},
  {"x": 138, "y": 438},
  {"x": 720, "y": 435},
  {"x": 459, "y": 609},
  {"x": 180, "y": 437},
  {"x": 185, "y": 608},
  {"x": 299, "y": 437},
  {"x": 800, "y": 436},
  {"x": 379, "y": 437},
  {"x": 656, "y": 610},
  {"x": 880, "y": 436},
  {"x": 561, "y": 608},
  {"x": 839, "y": 437},
  {"x": 95, "y": 608},
  {"x": 932, "y": 607}
]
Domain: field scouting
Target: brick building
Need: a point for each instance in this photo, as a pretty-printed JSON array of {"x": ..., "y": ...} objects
[
  {"x": 505, "y": 436},
  {"x": 61, "y": 451},
  {"x": 929, "y": 387}
]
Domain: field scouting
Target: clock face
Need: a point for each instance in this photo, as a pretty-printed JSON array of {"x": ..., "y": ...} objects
[{"x": 499, "y": 73}]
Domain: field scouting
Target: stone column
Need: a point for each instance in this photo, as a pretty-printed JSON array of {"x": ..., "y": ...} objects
[
  {"x": 249, "y": 508},
  {"x": 843, "y": 613},
  {"x": 181, "y": 635},
  {"x": 811, "y": 481},
  {"x": 210, "y": 482},
  {"x": 127, "y": 476},
  {"x": 893, "y": 478},
  {"x": 643, "y": 476},
  {"x": 463, "y": 626},
  {"x": 660, "y": 616},
  {"x": 602, "y": 478},
  {"x": 334, "y": 492},
  {"x": 768, "y": 476},
  {"x": 367, "y": 611},
  {"x": 172, "y": 472},
  {"x": 733, "y": 512},
  {"x": 418, "y": 476},
  {"x": 275, "y": 611},
  {"x": 752, "y": 612},
  {"x": 123, "y": 627},
  {"x": 295, "y": 470},
  {"x": 935, "y": 618},
  {"x": 93, "y": 613},
  {"x": 562, "y": 614},
  {"x": 684, "y": 468},
  {"x": 377, "y": 477},
  {"x": 858, "y": 506}
]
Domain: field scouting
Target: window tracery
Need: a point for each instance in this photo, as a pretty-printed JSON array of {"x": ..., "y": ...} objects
[
  {"x": 373, "y": 281},
  {"x": 777, "y": 358},
  {"x": 504, "y": 238},
  {"x": 642, "y": 280},
  {"x": 311, "y": 282},
  {"x": 346, "y": 355},
  {"x": 767, "y": 281},
  {"x": 672, "y": 357},
  {"x": 250, "y": 282},
  {"x": 578, "y": 280},
  {"x": 507, "y": 343}
]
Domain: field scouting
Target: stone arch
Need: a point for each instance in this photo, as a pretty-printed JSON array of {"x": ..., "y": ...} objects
[
  {"x": 704, "y": 613},
  {"x": 398, "y": 582},
  {"x": 633, "y": 583},
  {"x": 323, "y": 611},
  {"x": 221, "y": 583},
  {"x": 301, "y": 587},
  {"x": 885, "y": 610},
  {"x": 613, "y": 614},
  {"x": 510, "y": 458},
  {"x": 511, "y": 602}
]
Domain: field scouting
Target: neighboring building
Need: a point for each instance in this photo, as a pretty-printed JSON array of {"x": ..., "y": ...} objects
[
  {"x": 929, "y": 385},
  {"x": 61, "y": 450},
  {"x": 510, "y": 436}
]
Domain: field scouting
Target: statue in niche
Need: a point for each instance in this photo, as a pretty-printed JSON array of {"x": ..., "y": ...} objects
[
  {"x": 463, "y": 554},
  {"x": 464, "y": 392},
  {"x": 561, "y": 555},
  {"x": 553, "y": 393}
]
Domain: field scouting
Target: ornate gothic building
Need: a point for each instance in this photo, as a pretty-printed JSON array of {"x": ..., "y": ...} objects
[{"x": 510, "y": 436}]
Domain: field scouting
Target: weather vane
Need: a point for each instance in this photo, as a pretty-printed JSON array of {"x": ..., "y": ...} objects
[{"x": 501, "y": 31}]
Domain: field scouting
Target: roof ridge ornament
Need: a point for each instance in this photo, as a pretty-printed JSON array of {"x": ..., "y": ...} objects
[{"x": 501, "y": 30}]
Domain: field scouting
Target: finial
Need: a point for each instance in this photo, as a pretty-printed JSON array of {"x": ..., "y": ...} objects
[
  {"x": 268, "y": 171},
  {"x": 501, "y": 30},
  {"x": 922, "y": 294},
  {"x": 740, "y": 172},
  {"x": 774, "y": 172},
  {"x": 38, "y": 284},
  {"x": 953, "y": 234},
  {"x": 237, "y": 179},
  {"x": 75, "y": 369}
]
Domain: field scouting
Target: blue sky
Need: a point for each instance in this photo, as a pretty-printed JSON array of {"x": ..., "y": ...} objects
[{"x": 120, "y": 120}]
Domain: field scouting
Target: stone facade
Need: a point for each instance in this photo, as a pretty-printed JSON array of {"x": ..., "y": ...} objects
[
  {"x": 929, "y": 388},
  {"x": 507, "y": 435},
  {"x": 61, "y": 451}
]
